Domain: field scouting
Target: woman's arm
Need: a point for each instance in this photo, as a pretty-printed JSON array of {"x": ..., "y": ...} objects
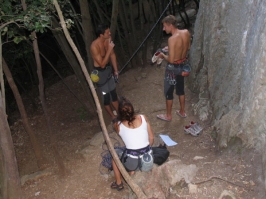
[
  {"x": 150, "y": 132},
  {"x": 116, "y": 127}
]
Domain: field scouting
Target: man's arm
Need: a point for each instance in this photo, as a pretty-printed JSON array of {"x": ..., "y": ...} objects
[
  {"x": 189, "y": 43},
  {"x": 171, "y": 48},
  {"x": 150, "y": 131}
]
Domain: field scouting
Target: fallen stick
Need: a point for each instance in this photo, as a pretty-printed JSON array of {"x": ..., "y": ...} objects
[{"x": 216, "y": 177}]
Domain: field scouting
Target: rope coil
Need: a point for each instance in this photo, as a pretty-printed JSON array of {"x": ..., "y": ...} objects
[{"x": 107, "y": 157}]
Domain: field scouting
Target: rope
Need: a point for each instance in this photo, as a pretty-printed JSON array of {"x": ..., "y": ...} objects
[
  {"x": 145, "y": 37},
  {"x": 107, "y": 157}
]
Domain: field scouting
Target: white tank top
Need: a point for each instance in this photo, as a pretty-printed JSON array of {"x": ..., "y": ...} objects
[{"x": 136, "y": 138}]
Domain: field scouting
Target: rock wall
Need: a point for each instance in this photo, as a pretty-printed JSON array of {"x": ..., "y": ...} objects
[{"x": 228, "y": 59}]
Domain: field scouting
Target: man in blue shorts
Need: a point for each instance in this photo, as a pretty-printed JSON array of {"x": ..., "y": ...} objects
[
  {"x": 178, "y": 46},
  {"x": 102, "y": 53}
]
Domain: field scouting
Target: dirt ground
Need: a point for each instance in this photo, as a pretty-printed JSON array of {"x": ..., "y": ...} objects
[{"x": 234, "y": 169}]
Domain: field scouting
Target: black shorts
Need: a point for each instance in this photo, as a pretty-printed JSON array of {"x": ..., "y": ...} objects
[
  {"x": 169, "y": 87},
  {"x": 106, "y": 85}
]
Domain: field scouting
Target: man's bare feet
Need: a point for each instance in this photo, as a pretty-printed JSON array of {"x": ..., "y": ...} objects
[
  {"x": 164, "y": 117},
  {"x": 183, "y": 115}
]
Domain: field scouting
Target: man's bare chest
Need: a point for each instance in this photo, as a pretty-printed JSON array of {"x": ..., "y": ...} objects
[{"x": 102, "y": 50}]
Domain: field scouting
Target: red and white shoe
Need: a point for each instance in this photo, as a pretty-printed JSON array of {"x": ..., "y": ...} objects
[
  {"x": 196, "y": 126},
  {"x": 189, "y": 130},
  {"x": 155, "y": 56},
  {"x": 159, "y": 61}
]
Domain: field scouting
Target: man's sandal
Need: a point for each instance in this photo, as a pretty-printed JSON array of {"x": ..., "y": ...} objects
[{"x": 116, "y": 186}]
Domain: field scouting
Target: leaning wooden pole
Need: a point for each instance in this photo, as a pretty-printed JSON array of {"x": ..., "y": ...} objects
[{"x": 128, "y": 179}]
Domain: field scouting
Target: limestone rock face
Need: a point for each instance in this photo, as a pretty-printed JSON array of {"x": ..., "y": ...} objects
[
  {"x": 158, "y": 182},
  {"x": 228, "y": 59}
]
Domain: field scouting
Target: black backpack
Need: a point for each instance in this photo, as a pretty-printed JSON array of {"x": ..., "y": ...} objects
[{"x": 160, "y": 154}]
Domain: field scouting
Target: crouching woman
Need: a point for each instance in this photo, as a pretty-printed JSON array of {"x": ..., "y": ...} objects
[{"x": 136, "y": 133}]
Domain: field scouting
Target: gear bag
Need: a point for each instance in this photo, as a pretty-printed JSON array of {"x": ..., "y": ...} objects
[{"x": 160, "y": 154}]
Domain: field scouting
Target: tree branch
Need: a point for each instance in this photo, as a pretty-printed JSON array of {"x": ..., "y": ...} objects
[{"x": 10, "y": 22}]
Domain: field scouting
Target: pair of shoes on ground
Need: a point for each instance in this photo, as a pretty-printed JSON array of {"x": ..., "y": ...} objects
[
  {"x": 116, "y": 186},
  {"x": 164, "y": 117},
  {"x": 193, "y": 128},
  {"x": 156, "y": 57}
]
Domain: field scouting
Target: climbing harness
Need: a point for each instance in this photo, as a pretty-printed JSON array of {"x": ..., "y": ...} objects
[
  {"x": 172, "y": 70},
  {"x": 145, "y": 37},
  {"x": 95, "y": 77}
]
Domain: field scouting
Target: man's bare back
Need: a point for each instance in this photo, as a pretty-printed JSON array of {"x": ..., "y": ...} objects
[{"x": 179, "y": 44}]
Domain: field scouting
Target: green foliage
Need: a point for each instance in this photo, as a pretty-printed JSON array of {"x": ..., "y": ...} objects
[
  {"x": 82, "y": 113},
  {"x": 17, "y": 24},
  {"x": 19, "y": 39}
]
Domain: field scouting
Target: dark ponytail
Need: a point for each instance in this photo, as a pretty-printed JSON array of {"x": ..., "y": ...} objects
[{"x": 126, "y": 111}]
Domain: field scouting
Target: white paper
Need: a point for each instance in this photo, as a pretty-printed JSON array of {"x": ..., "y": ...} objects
[{"x": 167, "y": 140}]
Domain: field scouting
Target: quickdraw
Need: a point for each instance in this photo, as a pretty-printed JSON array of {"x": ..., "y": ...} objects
[{"x": 170, "y": 77}]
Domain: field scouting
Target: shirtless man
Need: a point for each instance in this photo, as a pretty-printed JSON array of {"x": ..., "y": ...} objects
[
  {"x": 178, "y": 46},
  {"x": 102, "y": 52}
]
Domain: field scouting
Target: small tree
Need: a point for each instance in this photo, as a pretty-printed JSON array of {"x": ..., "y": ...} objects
[{"x": 11, "y": 188}]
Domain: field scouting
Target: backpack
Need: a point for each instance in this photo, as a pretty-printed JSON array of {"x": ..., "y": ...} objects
[{"x": 160, "y": 154}]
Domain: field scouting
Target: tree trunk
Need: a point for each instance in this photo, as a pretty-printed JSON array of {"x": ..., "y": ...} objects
[
  {"x": 53, "y": 67},
  {"x": 2, "y": 89},
  {"x": 135, "y": 188},
  {"x": 88, "y": 31},
  {"x": 124, "y": 14},
  {"x": 114, "y": 18},
  {"x": 11, "y": 186},
  {"x": 72, "y": 60},
  {"x": 99, "y": 11},
  {"x": 132, "y": 23},
  {"x": 52, "y": 136},
  {"x": 36, "y": 147},
  {"x": 126, "y": 26},
  {"x": 58, "y": 160},
  {"x": 143, "y": 33},
  {"x": 76, "y": 21},
  {"x": 133, "y": 39},
  {"x": 122, "y": 57},
  {"x": 153, "y": 11}
]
